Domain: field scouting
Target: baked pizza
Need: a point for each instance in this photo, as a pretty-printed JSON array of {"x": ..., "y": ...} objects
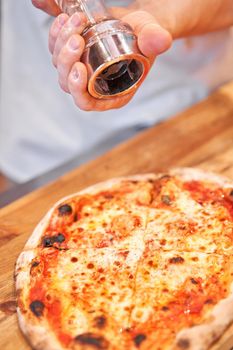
[{"x": 134, "y": 263}]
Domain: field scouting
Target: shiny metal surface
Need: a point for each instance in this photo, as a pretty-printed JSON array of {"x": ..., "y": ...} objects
[{"x": 114, "y": 63}]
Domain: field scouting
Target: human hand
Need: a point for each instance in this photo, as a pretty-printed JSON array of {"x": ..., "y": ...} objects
[{"x": 66, "y": 46}]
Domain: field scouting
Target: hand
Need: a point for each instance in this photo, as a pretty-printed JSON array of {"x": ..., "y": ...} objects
[
  {"x": 48, "y": 6},
  {"x": 67, "y": 45}
]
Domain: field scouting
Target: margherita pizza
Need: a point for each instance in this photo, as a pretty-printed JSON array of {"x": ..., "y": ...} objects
[{"x": 142, "y": 262}]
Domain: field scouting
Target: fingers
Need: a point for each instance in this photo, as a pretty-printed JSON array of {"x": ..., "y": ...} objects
[
  {"x": 74, "y": 25},
  {"x": 67, "y": 46},
  {"x": 55, "y": 30},
  {"x": 68, "y": 56},
  {"x": 48, "y": 6},
  {"x": 77, "y": 84},
  {"x": 152, "y": 38}
]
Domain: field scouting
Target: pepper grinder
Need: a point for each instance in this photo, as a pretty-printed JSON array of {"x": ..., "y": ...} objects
[{"x": 114, "y": 63}]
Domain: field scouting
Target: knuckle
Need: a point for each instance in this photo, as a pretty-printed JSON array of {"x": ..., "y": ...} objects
[
  {"x": 63, "y": 85},
  {"x": 53, "y": 33},
  {"x": 86, "y": 108},
  {"x": 65, "y": 34},
  {"x": 63, "y": 58},
  {"x": 54, "y": 61},
  {"x": 83, "y": 105}
]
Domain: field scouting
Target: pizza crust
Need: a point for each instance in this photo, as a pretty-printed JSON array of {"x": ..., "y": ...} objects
[
  {"x": 196, "y": 174},
  {"x": 39, "y": 336},
  {"x": 201, "y": 337},
  {"x": 102, "y": 186}
]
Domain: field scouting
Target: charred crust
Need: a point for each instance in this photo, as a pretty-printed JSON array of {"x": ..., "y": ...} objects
[
  {"x": 165, "y": 177},
  {"x": 48, "y": 241},
  {"x": 75, "y": 217},
  {"x": 59, "y": 238},
  {"x": 37, "y": 308},
  {"x": 165, "y": 308},
  {"x": 231, "y": 195},
  {"x": 183, "y": 344},
  {"x": 34, "y": 264},
  {"x": 176, "y": 260},
  {"x": 135, "y": 182},
  {"x": 209, "y": 301},
  {"x": 166, "y": 199},
  {"x": 64, "y": 209},
  {"x": 94, "y": 340},
  {"x": 139, "y": 339},
  {"x": 193, "y": 281},
  {"x": 100, "y": 321},
  {"x": 158, "y": 184}
]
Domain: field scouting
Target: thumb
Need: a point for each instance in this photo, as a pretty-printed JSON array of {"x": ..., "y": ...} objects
[{"x": 152, "y": 38}]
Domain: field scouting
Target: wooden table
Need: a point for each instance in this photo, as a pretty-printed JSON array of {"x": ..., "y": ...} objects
[{"x": 201, "y": 137}]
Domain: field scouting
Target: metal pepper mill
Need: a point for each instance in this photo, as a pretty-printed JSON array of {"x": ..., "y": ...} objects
[{"x": 114, "y": 63}]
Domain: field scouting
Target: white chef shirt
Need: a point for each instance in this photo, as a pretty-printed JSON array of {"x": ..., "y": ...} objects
[{"x": 40, "y": 127}]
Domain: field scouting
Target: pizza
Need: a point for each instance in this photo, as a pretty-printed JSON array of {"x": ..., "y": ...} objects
[{"x": 134, "y": 263}]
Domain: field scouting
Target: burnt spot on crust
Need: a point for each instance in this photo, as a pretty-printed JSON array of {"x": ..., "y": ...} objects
[
  {"x": 65, "y": 209},
  {"x": 48, "y": 241},
  {"x": 231, "y": 195},
  {"x": 193, "y": 281},
  {"x": 135, "y": 182},
  {"x": 34, "y": 264},
  {"x": 100, "y": 321},
  {"x": 165, "y": 308},
  {"x": 158, "y": 185},
  {"x": 37, "y": 307},
  {"x": 183, "y": 344},
  {"x": 209, "y": 301},
  {"x": 94, "y": 340},
  {"x": 166, "y": 199},
  {"x": 165, "y": 177},
  {"x": 75, "y": 218},
  {"x": 139, "y": 339},
  {"x": 176, "y": 260},
  {"x": 59, "y": 238}
]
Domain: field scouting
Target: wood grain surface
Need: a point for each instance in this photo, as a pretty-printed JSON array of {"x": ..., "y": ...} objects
[{"x": 201, "y": 137}]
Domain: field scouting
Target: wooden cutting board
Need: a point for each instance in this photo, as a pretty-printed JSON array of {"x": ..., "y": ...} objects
[{"x": 201, "y": 136}]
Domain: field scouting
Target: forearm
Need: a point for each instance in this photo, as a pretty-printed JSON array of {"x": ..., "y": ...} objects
[{"x": 189, "y": 17}]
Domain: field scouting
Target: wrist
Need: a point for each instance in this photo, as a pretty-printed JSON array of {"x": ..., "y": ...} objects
[{"x": 184, "y": 18}]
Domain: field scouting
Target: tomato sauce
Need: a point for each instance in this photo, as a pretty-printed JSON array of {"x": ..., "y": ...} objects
[{"x": 203, "y": 194}]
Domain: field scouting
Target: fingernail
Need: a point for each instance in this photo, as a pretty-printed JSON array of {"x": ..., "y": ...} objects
[
  {"x": 62, "y": 20},
  {"x": 73, "y": 43},
  {"x": 75, "y": 74},
  {"x": 75, "y": 20}
]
